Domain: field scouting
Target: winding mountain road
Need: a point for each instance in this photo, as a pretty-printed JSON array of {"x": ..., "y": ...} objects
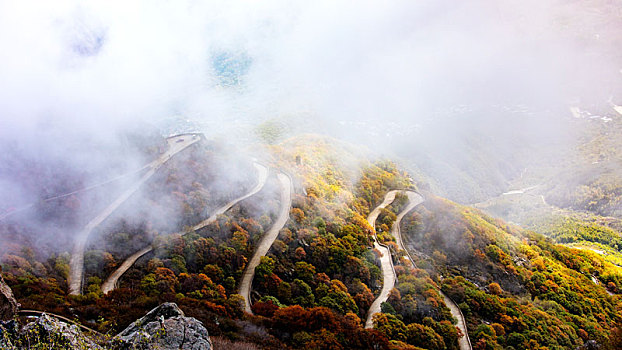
[
  {"x": 386, "y": 262},
  {"x": 76, "y": 264},
  {"x": 262, "y": 176},
  {"x": 111, "y": 282},
  {"x": 464, "y": 342},
  {"x": 414, "y": 199},
  {"x": 266, "y": 241}
]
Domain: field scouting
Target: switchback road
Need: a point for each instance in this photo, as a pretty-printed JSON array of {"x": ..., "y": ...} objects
[
  {"x": 76, "y": 264},
  {"x": 388, "y": 270},
  {"x": 266, "y": 241},
  {"x": 111, "y": 282},
  {"x": 386, "y": 262},
  {"x": 415, "y": 199}
]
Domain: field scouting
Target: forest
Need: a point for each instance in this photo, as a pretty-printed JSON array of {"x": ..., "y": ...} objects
[
  {"x": 516, "y": 288},
  {"x": 312, "y": 290}
]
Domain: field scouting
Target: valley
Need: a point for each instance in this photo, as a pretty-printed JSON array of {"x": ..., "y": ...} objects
[
  {"x": 315, "y": 249},
  {"x": 427, "y": 175}
]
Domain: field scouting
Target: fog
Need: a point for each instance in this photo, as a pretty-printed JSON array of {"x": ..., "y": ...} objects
[
  {"x": 77, "y": 75},
  {"x": 103, "y": 65}
]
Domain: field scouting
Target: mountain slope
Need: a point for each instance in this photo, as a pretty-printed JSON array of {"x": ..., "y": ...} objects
[{"x": 516, "y": 288}]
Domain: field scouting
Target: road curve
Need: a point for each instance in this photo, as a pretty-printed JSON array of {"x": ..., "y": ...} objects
[
  {"x": 111, "y": 282},
  {"x": 415, "y": 199},
  {"x": 386, "y": 262},
  {"x": 262, "y": 176},
  {"x": 266, "y": 241},
  {"x": 76, "y": 264}
]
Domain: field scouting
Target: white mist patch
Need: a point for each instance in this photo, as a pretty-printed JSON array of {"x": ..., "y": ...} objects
[
  {"x": 76, "y": 73},
  {"x": 109, "y": 63}
]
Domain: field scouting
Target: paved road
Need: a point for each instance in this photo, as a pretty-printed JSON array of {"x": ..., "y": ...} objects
[
  {"x": 415, "y": 199},
  {"x": 386, "y": 263},
  {"x": 266, "y": 241},
  {"x": 262, "y": 175},
  {"x": 464, "y": 342},
  {"x": 175, "y": 145},
  {"x": 111, "y": 282}
]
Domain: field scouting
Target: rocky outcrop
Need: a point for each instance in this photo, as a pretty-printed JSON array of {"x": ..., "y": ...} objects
[
  {"x": 589, "y": 345},
  {"x": 8, "y": 332},
  {"x": 8, "y": 304},
  {"x": 55, "y": 334},
  {"x": 165, "y": 327}
]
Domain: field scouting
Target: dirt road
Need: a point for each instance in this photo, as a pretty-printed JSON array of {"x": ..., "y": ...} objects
[
  {"x": 266, "y": 241},
  {"x": 111, "y": 282},
  {"x": 175, "y": 145}
]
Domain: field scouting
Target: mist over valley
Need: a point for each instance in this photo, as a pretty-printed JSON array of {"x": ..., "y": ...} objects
[{"x": 326, "y": 175}]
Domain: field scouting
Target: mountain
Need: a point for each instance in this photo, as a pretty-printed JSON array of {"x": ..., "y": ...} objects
[
  {"x": 338, "y": 259},
  {"x": 516, "y": 287}
]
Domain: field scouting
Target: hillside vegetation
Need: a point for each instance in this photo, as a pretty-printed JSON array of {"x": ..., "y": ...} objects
[
  {"x": 311, "y": 290},
  {"x": 314, "y": 287},
  {"x": 516, "y": 288}
]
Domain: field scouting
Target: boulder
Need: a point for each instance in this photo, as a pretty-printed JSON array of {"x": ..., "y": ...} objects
[
  {"x": 165, "y": 327},
  {"x": 8, "y": 304}
]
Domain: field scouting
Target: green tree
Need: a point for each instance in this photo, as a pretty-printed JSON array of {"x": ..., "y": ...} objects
[{"x": 264, "y": 268}]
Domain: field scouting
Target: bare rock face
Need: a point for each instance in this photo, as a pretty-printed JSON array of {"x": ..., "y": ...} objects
[
  {"x": 8, "y": 304},
  {"x": 164, "y": 327}
]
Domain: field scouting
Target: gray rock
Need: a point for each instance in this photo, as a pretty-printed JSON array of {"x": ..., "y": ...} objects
[
  {"x": 55, "y": 334},
  {"x": 8, "y": 304},
  {"x": 165, "y": 327},
  {"x": 8, "y": 334},
  {"x": 589, "y": 345}
]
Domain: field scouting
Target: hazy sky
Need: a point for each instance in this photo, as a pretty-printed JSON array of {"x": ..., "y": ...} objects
[
  {"x": 87, "y": 63},
  {"x": 75, "y": 73},
  {"x": 83, "y": 70}
]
